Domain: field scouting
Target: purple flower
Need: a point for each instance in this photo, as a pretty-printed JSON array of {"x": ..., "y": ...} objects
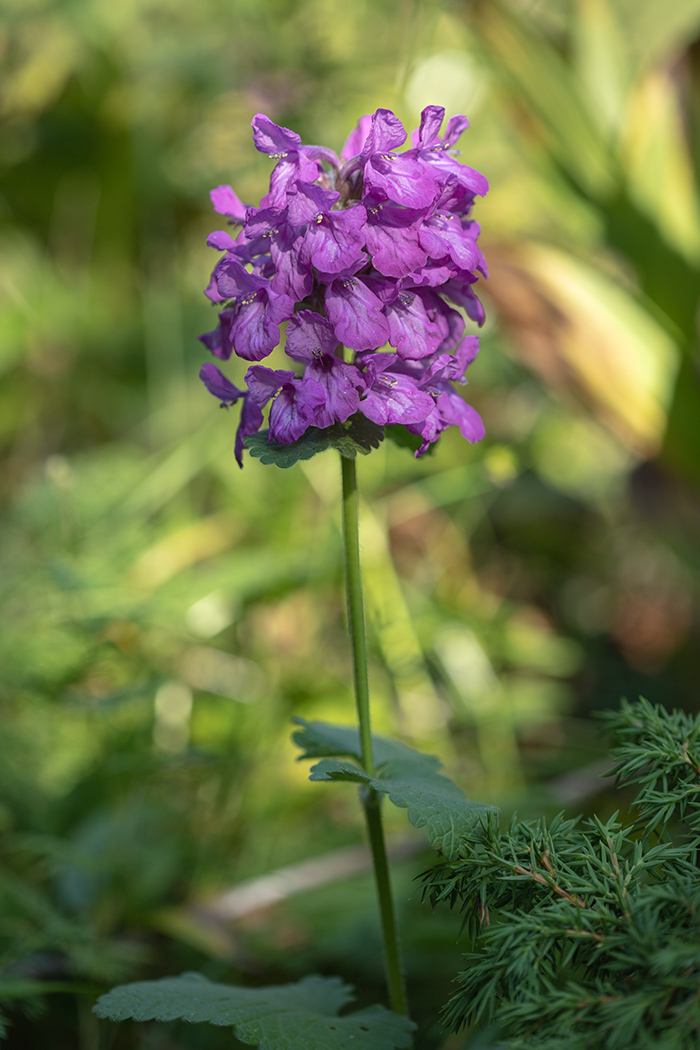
[
  {"x": 412, "y": 329},
  {"x": 251, "y": 325},
  {"x": 226, "y": 202},
  {"x": 360, "y": 252},
  {"x": 356, "y": 314},
  {"x": 295, "y": 400},
  {"x": 218, "y": 385},
  {"x": 390, "y": 396},
  {"x": 333, "y": 240},
  {"x": 458, "y": 183},
  {"x": 251, "y": 421},
  {"x": 311, "y": 339},
  {"x": 392, "y": 237}
]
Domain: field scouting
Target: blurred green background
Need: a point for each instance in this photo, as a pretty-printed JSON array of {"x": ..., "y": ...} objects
[{"x": 165, "y": 614}]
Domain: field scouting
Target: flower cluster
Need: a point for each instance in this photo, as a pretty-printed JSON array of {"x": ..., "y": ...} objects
[{"x": 356, "y": 252}]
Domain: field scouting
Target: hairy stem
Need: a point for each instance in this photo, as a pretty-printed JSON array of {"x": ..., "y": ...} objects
[{"x": 371, "y": 801}]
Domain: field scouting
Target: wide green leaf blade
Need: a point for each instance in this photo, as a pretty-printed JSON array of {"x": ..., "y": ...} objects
[
  {"x": 325, "y": 740},
  {"x": 409, "y": 778},
  {"x": 301, "y": 1016},
  {"x": 356, "y": 435}
]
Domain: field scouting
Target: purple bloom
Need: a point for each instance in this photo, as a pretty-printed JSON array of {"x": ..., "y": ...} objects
[
  {"x": 311, "y": 339},
  {"x": 275, "y": 235},
  {"x": 251, "y": 421},
  {"x": 251, "y": 326},
  {"x": 392, "y": 397},
  {"x": 392, "y": 237},
  {"x": 412, "y": 330},
  {"x": 442, "y": 235},
  {"x": 333, "y": 241},
  {"x": 226, "y": 202},
  {"x": 218, "y": 385},
  {"x": 295, "y": 400},
  {"x": 458, "y": 183},
  {"x": 375, "y": 243},
  {"x": 356, "y": 314},
  {"x": 395, "y": 176},
  {"x": 449, "y": 408}
]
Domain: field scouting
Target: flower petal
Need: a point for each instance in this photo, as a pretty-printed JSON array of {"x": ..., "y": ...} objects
[
  {"x": 251, "y": 421},
  {"x": 308, "y": 335},
  {"x": 356, "y": 314},
  {"x": 386, "y": 132},
  {"x": 271, "y": 138},
  {"x": 226, "y": 202},
  {"x": 218, "y": 385}
]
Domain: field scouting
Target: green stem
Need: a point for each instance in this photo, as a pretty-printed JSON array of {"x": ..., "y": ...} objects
[
  {"x": 371, "y": 801},
  {"x": 356, "y": 616},
  {"x": 390, "y": 937}
]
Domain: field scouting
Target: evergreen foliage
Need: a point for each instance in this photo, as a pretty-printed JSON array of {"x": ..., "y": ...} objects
[{"x": 587, "y": 933}]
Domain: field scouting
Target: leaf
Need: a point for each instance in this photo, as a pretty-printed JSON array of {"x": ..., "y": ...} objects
[
  {"x": 405, "y": 439},
  {"x": 409, "y": 778},
  {"x": 357, "y": 434},
  {"x": 325, "y": 740},
  {"x": 301, "y": 1016}
]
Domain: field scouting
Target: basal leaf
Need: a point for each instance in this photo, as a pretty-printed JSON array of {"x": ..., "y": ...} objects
[
  {"x": 301, "y": 1016},
  {"x": 409, "y": 778},
  {"x": 355, "y": 435}
]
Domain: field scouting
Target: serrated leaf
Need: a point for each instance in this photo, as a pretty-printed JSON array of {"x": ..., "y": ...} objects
[
  {"x": 325, "y": 740},
  {"x": 355, "y": 435},
  {"x": 301, "y": 1016},
  {"x": 408, "y": 777}
]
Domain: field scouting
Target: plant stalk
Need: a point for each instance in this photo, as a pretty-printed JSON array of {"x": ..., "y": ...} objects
[{"x": 370, "y": 799}]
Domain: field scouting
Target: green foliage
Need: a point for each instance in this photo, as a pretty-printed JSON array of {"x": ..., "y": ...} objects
[
  {"x": 586, "y": 934},
  {"x": 301, "y": 1016},
  {"x": 356, "y": 435},
  {"x": 661, "y": 751},
  {"x": 409, "y": 778}
]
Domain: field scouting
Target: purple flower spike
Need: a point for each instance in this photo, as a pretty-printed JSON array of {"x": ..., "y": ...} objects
[{"x": 376, "y": 243}]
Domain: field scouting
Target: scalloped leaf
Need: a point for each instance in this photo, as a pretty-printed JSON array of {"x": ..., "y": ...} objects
[
  {"x": 355, "y": 435},
  {"x": 325, "y": 740},
  {"x": 301, "y": 1016},
  {"x": 408, "y": 777}
]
